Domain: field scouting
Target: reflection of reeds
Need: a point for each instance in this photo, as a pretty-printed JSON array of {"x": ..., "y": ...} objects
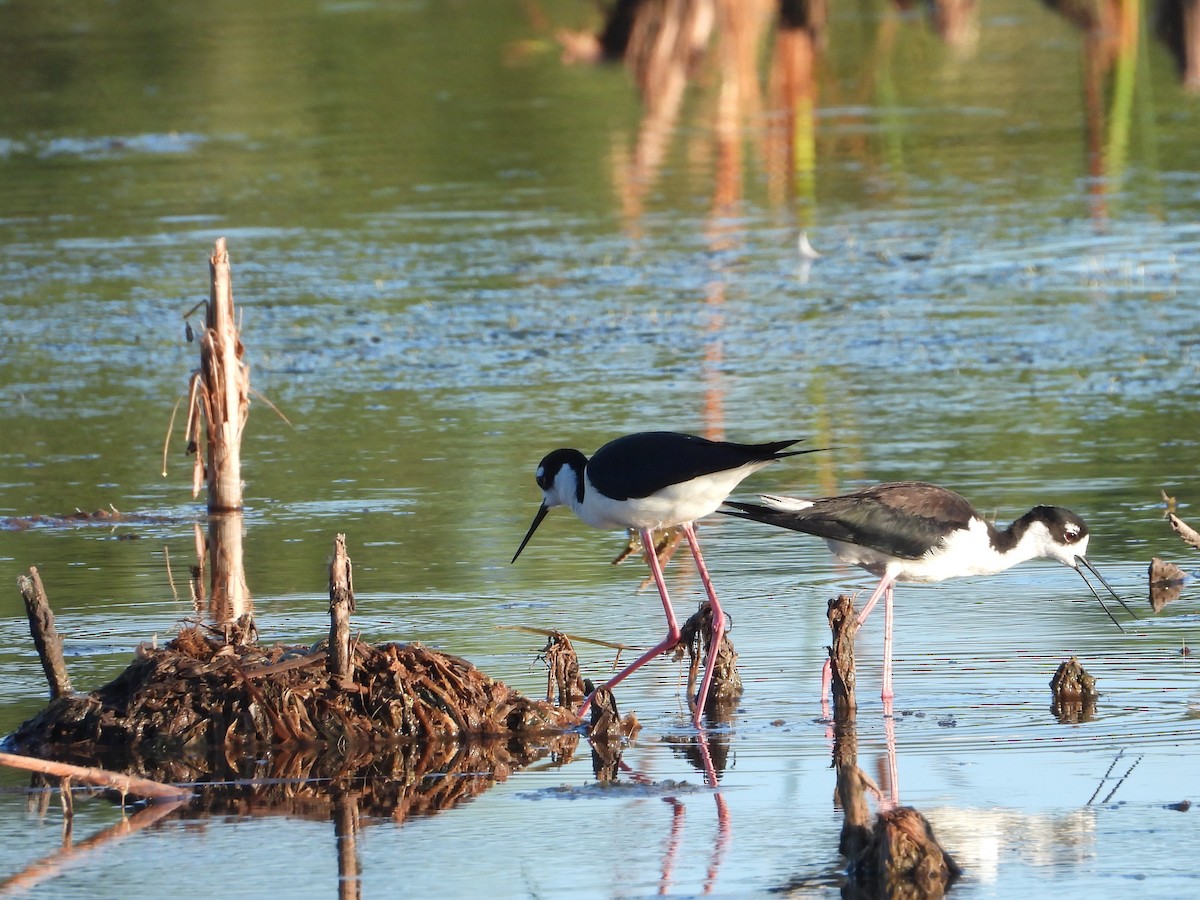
[
  {"x": 1111, "y": 41},
  {"x": 897, "y": 854},
  {"x": 1178, "y": 25}
]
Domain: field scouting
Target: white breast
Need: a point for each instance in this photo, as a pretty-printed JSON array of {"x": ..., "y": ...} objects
[
  {"x": 960, "y": 554},
  {"x": 673, "y": 505}
]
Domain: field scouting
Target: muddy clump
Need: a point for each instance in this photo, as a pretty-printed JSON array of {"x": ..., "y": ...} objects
[{"x": 200, "y": 695}]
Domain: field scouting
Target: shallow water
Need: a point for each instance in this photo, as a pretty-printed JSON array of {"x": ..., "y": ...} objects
[{"x": 444, "y": 273}]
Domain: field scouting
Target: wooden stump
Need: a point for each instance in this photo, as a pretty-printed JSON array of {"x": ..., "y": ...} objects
[{"x": 45, "y": 635}]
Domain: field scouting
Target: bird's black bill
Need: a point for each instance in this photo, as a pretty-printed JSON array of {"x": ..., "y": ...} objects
[
  {"x": 1081, "y": 563},
  {"x": 537, "y": 520}
]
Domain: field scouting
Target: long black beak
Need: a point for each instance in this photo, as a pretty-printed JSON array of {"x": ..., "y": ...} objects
[
  {"x": 1080, "y": 564},
  {"x": 537, "y": 520}
]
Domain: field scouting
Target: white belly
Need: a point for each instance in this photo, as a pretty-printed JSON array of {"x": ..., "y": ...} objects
[
  {"x": 964, "y": 553},
  {"x": 674, "y": 505}
]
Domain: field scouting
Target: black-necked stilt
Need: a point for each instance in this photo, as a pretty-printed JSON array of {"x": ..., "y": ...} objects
[
  {"x": 650, "y": 480},
  {"x": 912, "y": 531}
]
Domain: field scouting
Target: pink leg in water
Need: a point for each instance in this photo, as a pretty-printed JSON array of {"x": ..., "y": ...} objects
[
  {"x": 886, "y": 694},
  {"x": 662, "y": 646},
  {"x": 718, "y": 624}
]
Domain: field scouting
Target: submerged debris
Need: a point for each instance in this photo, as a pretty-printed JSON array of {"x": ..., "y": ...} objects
[{"x": 110, "y": 516}]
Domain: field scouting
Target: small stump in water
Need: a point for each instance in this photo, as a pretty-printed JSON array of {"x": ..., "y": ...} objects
[
  {"x": 1074, "y": 693},
  {"x": 608, "y": 732},
  {"x": 562, "y": 678},
  {"x": 696, "y": 635},
  {"x": 903, "y": 859}
]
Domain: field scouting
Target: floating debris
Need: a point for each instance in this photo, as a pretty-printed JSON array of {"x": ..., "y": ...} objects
[
  {"x": 1166, "y": 583},
  {"x": 1184, "y": 530}
]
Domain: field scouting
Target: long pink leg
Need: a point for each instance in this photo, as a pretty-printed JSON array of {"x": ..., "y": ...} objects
[
  {"x": 662, "y": 646},
  {"x": 884, "y": 588},
  {"x": 718, "y": 626},
  {"x": 886, "y": 695}
]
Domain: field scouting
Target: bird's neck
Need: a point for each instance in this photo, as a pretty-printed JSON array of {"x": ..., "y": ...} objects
[
  {"x": 569, "y": 486},
  {"x": 1024, "y": 539}
]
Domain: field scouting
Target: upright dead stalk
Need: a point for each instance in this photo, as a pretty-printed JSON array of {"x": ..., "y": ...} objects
[
  {"x": 45, "y": 636},
  {"x": 341, "y": 604},
  {"x": 220, "y": 392}
]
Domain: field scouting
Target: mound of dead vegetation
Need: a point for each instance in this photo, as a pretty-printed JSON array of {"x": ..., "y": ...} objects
[{"x": 199, "y": 694}]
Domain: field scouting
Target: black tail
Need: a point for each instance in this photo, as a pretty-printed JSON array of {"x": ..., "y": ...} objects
[
  {"x": 756, "y": 512},
  {"x": 806, "y": 520},
  {"x": 778, "y": 449}
]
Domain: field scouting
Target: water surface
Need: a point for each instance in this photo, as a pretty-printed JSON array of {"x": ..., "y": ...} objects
[{"x": 446, "y": 268}]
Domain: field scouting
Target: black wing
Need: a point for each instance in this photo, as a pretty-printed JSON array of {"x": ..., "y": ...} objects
[
  {"x": 639, "y": 464},
  {"x": 904, "y": 519}
]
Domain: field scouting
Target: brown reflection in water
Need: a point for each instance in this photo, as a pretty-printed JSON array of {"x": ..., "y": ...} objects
[
  {"x": 790, "y": 148},
  {"x": 666, "y": 38},
  {"x": 896, "y": 854},
  {"x": 1177, "y": 23},
  {"x": 345, "y": 829},
  {"x": 1110, "y": 45},
  {"x": 224, "y": 597},
  {"x": 709, "y": 754},
  {"x": 73, "y": 853},
  {"x": 350, "y": 789}
]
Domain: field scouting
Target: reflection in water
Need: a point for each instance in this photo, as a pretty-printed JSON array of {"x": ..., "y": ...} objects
[
  {"x": 78, "y": 852},
  {"x": 229, "y": 595},
  {"x": 1111, "y": 31},
  {"x": 371, "y": 786},
  {"x": 1178, "y": 25},
  {"x": 790, "y": 149},
  {"x": 897, "y": 855},
  {"x": 664, "y": 43},
  {"x": 346, "y": 824},
  {"x": 709, "y": 754}
]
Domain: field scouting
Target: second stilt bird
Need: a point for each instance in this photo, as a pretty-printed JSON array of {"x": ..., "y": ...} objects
[
  {"x": 913, "y": 531},
  {"x": 647, "y": 481}
]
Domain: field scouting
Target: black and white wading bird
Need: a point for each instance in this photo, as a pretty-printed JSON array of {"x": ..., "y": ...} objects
[
  {"x": 913, "y": 531},
  {"x": 647, "y": 481}
]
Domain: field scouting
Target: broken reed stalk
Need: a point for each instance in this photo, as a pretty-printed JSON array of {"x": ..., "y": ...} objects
[
  {"x": 220, "y": 391},
  {"x": 45, "y": 636},
  {"x": 340, "y": 662},
  {"x": 126, "y": 784},
  {"x": 843, "y": 622}
]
